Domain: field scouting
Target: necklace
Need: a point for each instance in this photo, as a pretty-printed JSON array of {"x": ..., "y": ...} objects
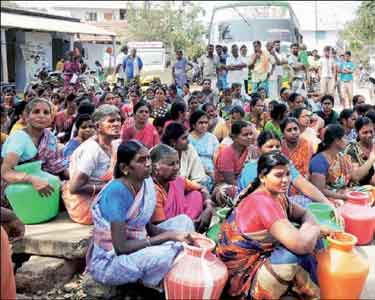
[{"x": 130, "y": 186}]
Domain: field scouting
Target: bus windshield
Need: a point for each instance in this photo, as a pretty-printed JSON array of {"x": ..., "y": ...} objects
[{"x": 252, "y": 22}]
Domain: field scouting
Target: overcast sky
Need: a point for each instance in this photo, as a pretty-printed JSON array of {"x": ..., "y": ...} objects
[{"x": 330, "y": 13}]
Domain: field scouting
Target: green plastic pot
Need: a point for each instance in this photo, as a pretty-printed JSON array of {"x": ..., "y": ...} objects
[
  {"x": 27, "y": 204},
  {"x": 323, "y": 214},
  {"x": 214, "y": 230}
]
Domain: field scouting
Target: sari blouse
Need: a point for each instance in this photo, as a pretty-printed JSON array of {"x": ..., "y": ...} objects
[
  {"x": 258, "y": 211},
  {"x": 206, "y": 147},
  {"x": 229, "y": 161},
  {"x": 337, "y": 172},
  {"x": 148, "y": 135},
  {"x": 21, "y": 144}
]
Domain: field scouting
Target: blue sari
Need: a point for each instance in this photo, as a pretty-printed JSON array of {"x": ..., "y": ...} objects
[{"x": 148, "y": 265}]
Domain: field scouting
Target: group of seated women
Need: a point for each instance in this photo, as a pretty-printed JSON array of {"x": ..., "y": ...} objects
[{"x": 147, "y": 183}]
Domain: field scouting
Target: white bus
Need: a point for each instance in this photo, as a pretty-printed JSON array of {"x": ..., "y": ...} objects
[{"x": 244, "y": 22}]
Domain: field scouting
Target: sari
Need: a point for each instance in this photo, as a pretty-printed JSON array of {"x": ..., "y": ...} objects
[
  {"x": 148, "y": 265},
  {"x": 259, "y": 266},
  {"x": 337, "y": 171},
  {"x": 70, "y": 68},
  {"x": 8, "y": 283},
  {"x": 79, "y": 205},
  {"x": 148, "y": 135},
  {"x": 358, "y": 156},
  {"x": 228, "y": 160},
  {"x": 183, "y": 197},
  {"x": 300, "y": 156},
  {"x": 206, "y": 146}
]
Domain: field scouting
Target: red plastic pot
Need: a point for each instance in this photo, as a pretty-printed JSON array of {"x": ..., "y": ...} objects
[
  {"x": 358, "y": 198},
  {"x": 359, "y": 221},
  {"x": 196, "y": 272}
]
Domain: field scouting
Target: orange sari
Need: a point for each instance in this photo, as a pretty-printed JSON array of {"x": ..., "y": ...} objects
[
  {"x": 300, "y": 156},
  {"x": 8, "y": 284}
]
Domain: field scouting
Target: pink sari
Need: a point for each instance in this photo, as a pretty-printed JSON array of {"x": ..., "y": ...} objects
[
  {"x": 148, "y": 135},
  {"x": 177, "y": 201}
]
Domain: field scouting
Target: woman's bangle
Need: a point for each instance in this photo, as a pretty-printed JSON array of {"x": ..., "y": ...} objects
[{"x": 93, "y": 190}]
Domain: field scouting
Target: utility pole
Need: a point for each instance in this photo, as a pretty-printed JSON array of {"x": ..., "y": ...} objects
[{"x": 316, "y": 22}]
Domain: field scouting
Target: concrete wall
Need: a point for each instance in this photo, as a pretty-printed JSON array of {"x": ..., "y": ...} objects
[{"x": 81, "y": 13}]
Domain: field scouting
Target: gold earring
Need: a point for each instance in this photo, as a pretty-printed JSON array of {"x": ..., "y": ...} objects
[{"x": 126, "y": 173}]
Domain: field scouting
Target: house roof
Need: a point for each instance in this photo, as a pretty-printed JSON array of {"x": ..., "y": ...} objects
[{"x": 15, "y": 18}]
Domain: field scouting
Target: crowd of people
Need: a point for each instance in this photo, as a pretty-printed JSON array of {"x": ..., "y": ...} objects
[{"x": 150, "y": 167}]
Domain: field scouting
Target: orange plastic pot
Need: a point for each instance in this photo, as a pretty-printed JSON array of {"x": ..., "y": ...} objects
[
  {"x": 342, "y": 271},
  {"x": 196, "y": 272}
]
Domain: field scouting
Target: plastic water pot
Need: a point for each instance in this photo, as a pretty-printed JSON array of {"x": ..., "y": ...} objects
[
  {"x": 28, "y": 205},
  {"x": 358, "y": 198},
  {"x": 323, "y": 214},
  {"x": 342, "y": 271},
  {"x": 359, "y": 221},
  {"x": 196, "y": 273},
  {"x": 214, "y": 230}
]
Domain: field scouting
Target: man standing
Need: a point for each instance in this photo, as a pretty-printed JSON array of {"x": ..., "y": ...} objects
[
  {"x": 132, "y": 66},
  {"x": 346, "y": 77},
  {"x": 259, "y": 64},
  {"x": 179, "y": 71},
  {"x": 298, "y": 78},
  {"x": 121, "y": 75},
  {"x": 209, "y": 63},
  {"x": 272, "y": 79},
  {"x": 235, "y": 65},
  {"x": 327, "y": 73},
  {"x": 245, "y": 71},
  {"x": 279, "y": 69},
  {"x": 109, "y": 62}
]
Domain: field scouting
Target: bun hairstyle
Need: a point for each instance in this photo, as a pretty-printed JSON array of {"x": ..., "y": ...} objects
[
  {"x": 125, "y": 154},
  {"x": 333, "y": 132}
]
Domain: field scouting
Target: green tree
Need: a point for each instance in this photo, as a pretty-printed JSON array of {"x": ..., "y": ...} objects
[
  {"x": 359, "y": 34},
  {"x": 178, "y": 28}
]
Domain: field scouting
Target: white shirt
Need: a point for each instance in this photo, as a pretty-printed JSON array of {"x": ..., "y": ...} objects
[
  {"x": 119, "y": 61},
  {"x": 235, "y": 76},
  {"x": 279, "y": 70},
  {"x": 245, "y": 71},
  {"x": 108, "y": 60},
  {"x": 326, "y": 67}
]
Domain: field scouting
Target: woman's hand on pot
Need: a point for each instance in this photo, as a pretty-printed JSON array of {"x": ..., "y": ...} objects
[{"x": 42, "y": 186}]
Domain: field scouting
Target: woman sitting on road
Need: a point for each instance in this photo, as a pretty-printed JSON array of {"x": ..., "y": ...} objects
[
  {"x": 126, "y": 246},
  {"x": 332, "y": 171},
  {"x": 266, "y": 255},
  {"x": 175, "y": 194},
  {"x": 141, "y": 129},
  {"x": 159, "y": 105},
  {"x": 347, "y": 120},
  {"x": 278, "y": 114},
  {"x": 191, "y": 167},
  {"x": 267, "y": 141},
  {"x": 327, "y": 113},
  {"x": 362, "y": 151},
  {"x": 85, "y": 129},
  {"x": 205, "y": 143},
  {"x": 90, "y": 165},
  {"x": 230, "y": 160}
]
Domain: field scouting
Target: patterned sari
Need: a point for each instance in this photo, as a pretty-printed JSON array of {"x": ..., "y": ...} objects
[
  {"x": 259, "y": 266},
  {"x": 148, "y": 265},
  {"x": 338, "y": 177},
  {"x": 300, "y": 156}
]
